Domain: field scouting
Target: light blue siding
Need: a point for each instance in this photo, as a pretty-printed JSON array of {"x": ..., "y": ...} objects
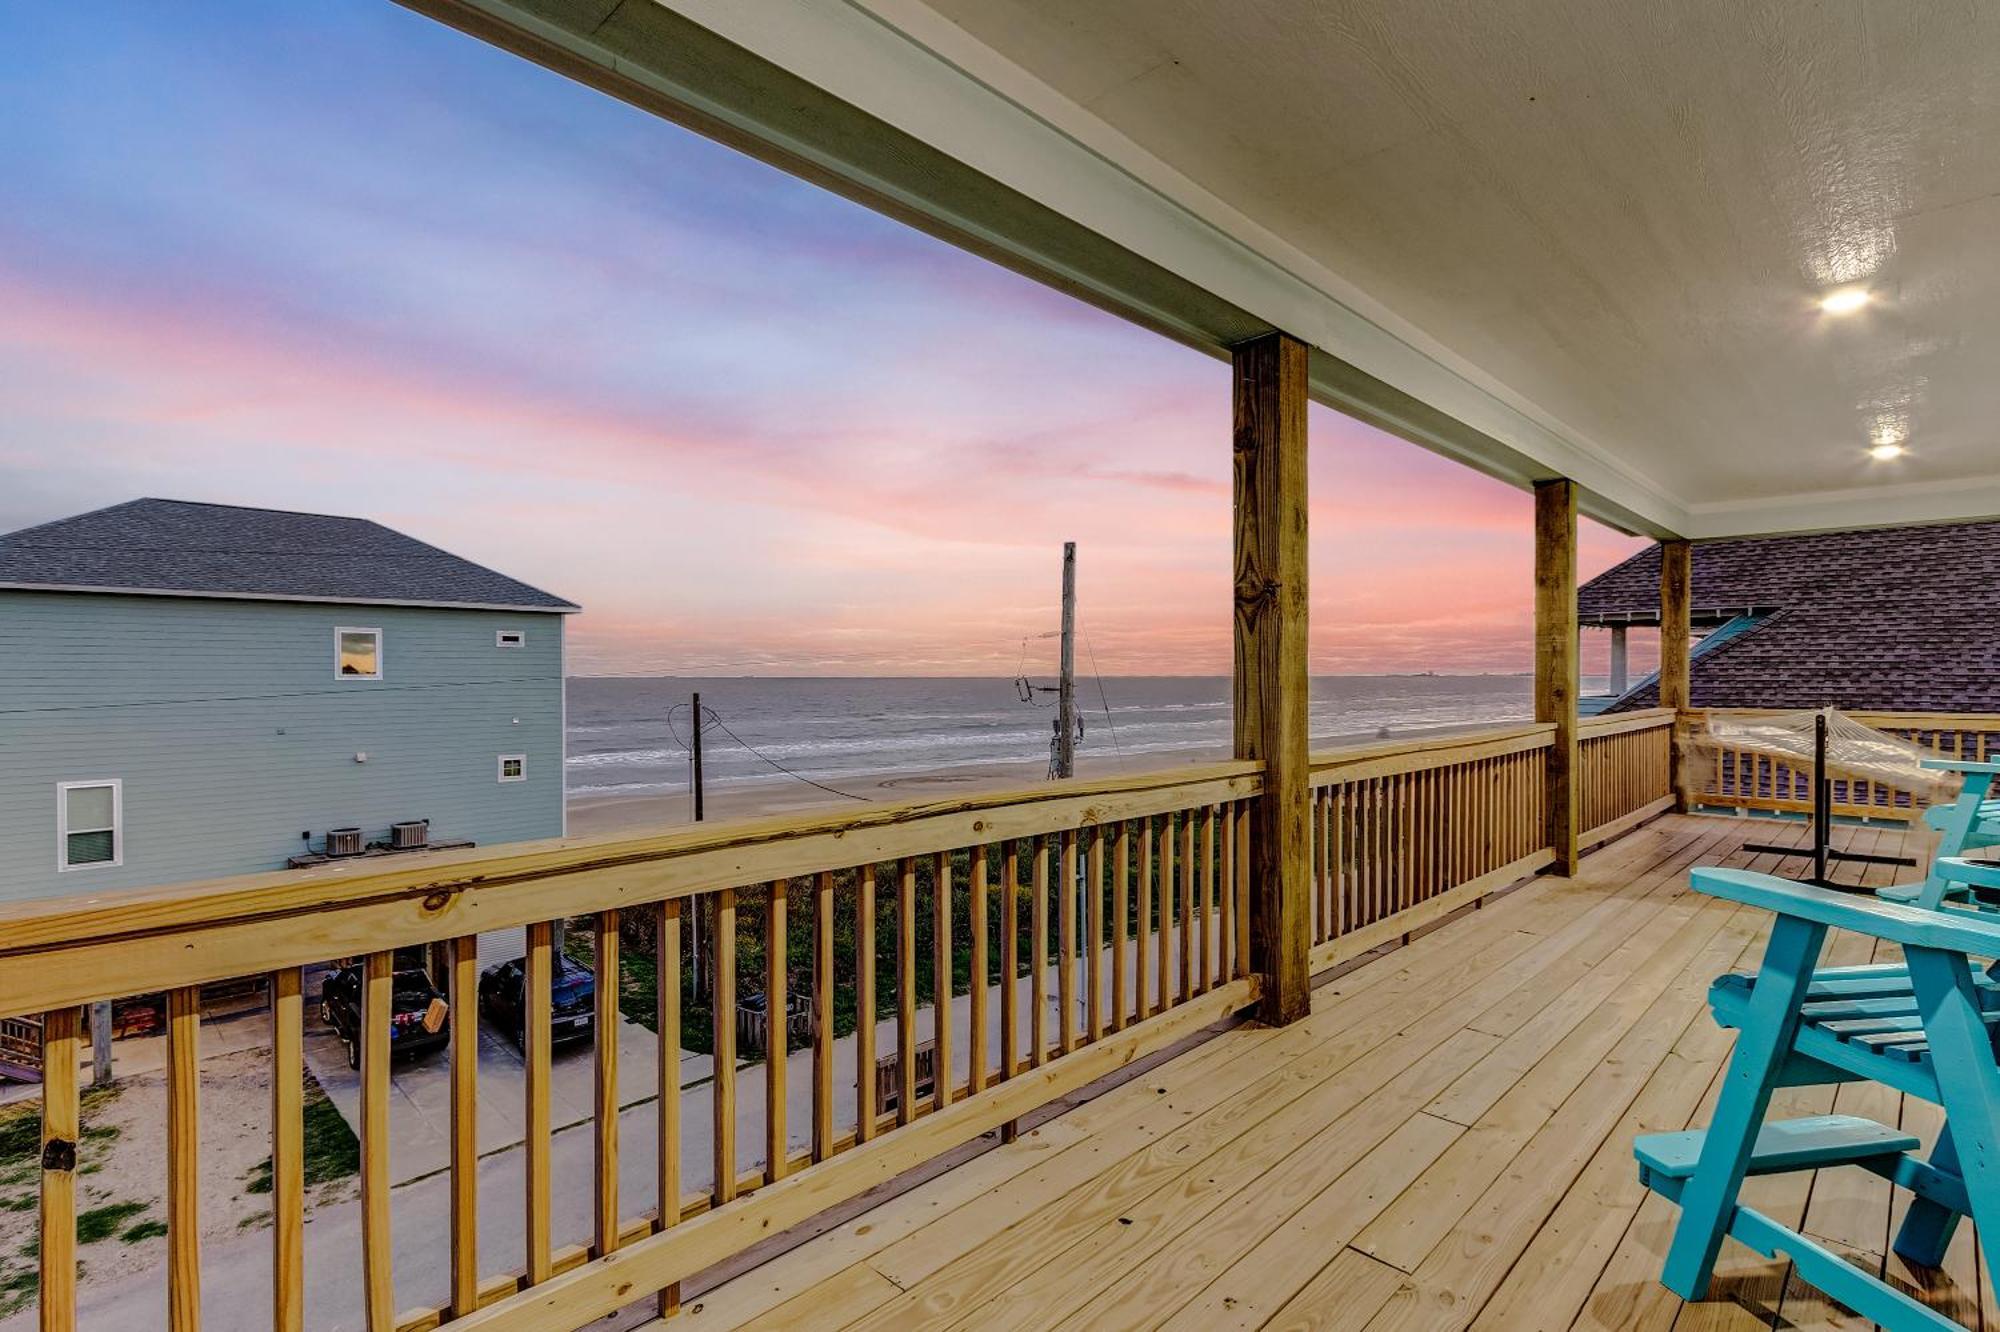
[{"x": 232, "y": 735}]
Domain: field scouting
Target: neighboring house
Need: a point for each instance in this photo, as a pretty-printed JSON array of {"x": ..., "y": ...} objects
[
  {"x": 1891, "y": 620},
  {"x": 197, "y": 690}
]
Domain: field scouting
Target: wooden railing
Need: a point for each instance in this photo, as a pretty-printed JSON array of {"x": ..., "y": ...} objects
[
  {"x": 1406, "y": 832},
  {"x": 1080, "y": 925},
  {"x": 1743, "y": 780},
  {"x": 968, "y": 961},
  {"x": 1624, "y": 771}
]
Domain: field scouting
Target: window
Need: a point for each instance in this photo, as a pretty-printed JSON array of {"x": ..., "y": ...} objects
[
  {"x": 513, "y": 767},
  {"x": 509, "y": 638},
  {"x": 89, "y": 825},
  {"x": 357, "y": 654}
]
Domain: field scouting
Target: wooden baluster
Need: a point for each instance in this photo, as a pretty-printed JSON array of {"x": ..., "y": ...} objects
[
  {"x": 941, "y": 984},
  {"x": 378, "y": 993},
  {"x": 723, "y": 1038},
  {"x": 1093, "y": 937},
  {"x": 1121, "y": 886},
  {"x": 1066, "y": 995},
  {"x": 1010, "y": 958},
  {"x": 906, "y": 991},
  {"x": 1226, "y": 906},
  {"x": 1142, "y": 927},
  {"x": 777, "y": 1017},
  {"x": 288, "y": 1150},
  {"x": 62, "y": 1130},
  {"x": 1167, "y": 917},
  {"x": 667, "y": 998},
  {"x": 604, "y": 1082},
  {"x": 462, "y": 997},
  {"x": 864, "y": 1006},
  {"x": 823, "y": 1016},
  {"x": 975, "y": 1053},
  {"x": 536, "y": 976},
  {"x": 1244, "y": 824},
  {"x": 1189, "y": 882},
  {"x": 1209, "y": 889},
  {"x": 1038, "y": 945},
  {"x": 183, "y": 1159}
]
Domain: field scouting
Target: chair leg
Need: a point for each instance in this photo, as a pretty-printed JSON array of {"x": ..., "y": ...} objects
[
  {"x": 1968, "y": 1078},
  {"x": 1928, "y": 1227},
  {"x": 1770, "y": 1024}
]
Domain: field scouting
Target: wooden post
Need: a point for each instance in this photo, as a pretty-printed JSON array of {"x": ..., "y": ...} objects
[
  {"x": 1676, "y": 592},
  {"x": 1556, "y": 657},
  {"x": 1270, "y": 659}
]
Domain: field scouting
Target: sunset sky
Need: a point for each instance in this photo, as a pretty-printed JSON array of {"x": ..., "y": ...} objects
[{"x": 326, "y": 254}]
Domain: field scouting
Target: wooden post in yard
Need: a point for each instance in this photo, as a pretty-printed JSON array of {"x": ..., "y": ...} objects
[
  {"x": 1270, "y": 658},
  {"x": 1676, "y": 594},
  {"x": 1556, "y": 652}
]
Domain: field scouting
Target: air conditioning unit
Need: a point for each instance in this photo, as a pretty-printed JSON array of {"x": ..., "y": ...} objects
[
  {"x": 343, "y": 842},
  {"x": 411, "y": 835}
]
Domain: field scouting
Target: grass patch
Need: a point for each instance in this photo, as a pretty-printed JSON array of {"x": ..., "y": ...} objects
[
  {"x": 23, "y": 1203},
  {"x": 151, "y": 1228},
  {"x": 102, "y": 1222},
  {"x": 332, "y": 1151}
]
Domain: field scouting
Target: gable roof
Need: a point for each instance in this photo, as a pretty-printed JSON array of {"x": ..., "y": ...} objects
[
  {"x": 1893, "y": 619},
  {"x": 164, "y": 547}
]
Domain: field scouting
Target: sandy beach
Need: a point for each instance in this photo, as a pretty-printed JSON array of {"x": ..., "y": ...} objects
[{"x": 593, "y": 816}]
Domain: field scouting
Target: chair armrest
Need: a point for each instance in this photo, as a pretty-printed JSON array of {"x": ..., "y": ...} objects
[
  {"x": 1912, "y": 927},
  {"x": 1962, "y": 765},
  {"x": 1978, "y": 873}
]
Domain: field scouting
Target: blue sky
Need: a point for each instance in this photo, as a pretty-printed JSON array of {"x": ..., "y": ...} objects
[{"x": 337, "y": 256}]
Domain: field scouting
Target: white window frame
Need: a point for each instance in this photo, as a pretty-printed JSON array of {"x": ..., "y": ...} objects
[
  {"x": 63, "y": 789},
  {"x": 500, "y": 767},
  {"x": 510, "y": 638},
  {"x": 381, "y": 651}
]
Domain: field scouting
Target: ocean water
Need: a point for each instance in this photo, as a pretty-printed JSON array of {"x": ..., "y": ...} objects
[{"x": 629, "y": 736}]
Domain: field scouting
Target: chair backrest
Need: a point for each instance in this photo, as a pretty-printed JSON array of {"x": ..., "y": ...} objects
[{"x": 1958, "y": 823}]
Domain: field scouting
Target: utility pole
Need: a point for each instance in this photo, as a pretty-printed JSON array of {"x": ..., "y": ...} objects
[{"x": 1065, "y": 764}]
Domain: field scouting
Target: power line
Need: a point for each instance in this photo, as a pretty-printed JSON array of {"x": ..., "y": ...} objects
[
  {"x": 1102, "y": 701},
  {"x": 710, "y": 717}
]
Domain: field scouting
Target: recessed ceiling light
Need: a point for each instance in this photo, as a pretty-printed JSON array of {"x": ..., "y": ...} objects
[
  {"x": 1845, "y": 301},
  {"x": 1887, "y": 452}
]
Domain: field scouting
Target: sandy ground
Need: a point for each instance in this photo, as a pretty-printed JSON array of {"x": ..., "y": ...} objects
[{"x": 121, "y": 1180}]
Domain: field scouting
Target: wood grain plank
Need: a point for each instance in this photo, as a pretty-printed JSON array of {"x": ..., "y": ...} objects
[
  {"x": 667, "y": 1146},
  {"x": 777, "y": 1017},
  {"x": 288, "y": 1150},
  {"x": 184, "y": 1159},
  {"x": 62, "y": 1126},
  {"x": 941, "y": 980},
  {"x": 723, "y": 1098},
  {"x": 378, "y": 1280},
  {"x": 607, "y": 983},
  {"x": 537, "y": 975}
]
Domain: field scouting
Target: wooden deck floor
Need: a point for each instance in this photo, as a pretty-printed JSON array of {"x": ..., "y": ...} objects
[{"x": 1445, "y": 1143}]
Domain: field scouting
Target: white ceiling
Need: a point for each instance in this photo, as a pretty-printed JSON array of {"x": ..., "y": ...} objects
[{"x": 1624, "y": 213}]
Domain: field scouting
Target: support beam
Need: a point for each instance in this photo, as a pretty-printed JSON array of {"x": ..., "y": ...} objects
[
  {"x": 1556, "y": 653},
  {"x": 1676, "y": 592},
  {"x": 1270, "y": 675}
]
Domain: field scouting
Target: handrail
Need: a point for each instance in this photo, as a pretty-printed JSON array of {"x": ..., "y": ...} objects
[
  {"x": 290, "y": 918},
  {"x": 1618, "y": 723},
  {"x": 1389, "y": 757}
]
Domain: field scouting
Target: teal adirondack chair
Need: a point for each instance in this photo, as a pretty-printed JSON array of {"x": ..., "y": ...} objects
[
  {"x": 1925, "y": 1028},
  {"x": 1968, "y": 823}
]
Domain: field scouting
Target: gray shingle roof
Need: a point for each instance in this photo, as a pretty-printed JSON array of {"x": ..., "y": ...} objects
[
  {"x": 1889, "y": 619},
  {"x": 181, "y": 548}
]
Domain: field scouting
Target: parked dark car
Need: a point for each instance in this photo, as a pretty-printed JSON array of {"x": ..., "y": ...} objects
[
  {"x": 572, "y": 1000},
  {"x": 414, "y": 994}
]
